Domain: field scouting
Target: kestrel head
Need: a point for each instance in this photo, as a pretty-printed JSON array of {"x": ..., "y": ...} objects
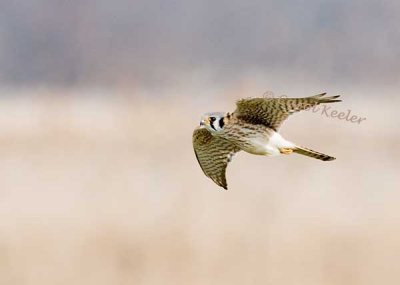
[{"x": 213, "y": 122}]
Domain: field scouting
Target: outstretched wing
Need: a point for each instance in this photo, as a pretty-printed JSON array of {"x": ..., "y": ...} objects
[
  {"x": 213, "y": 155},
  {"x": 271, "y": 112}
]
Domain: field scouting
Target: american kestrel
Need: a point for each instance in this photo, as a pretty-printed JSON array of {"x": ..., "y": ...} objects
[{"x": 253, "y": 128}]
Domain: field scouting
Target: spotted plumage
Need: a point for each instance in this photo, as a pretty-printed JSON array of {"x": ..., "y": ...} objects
[{"x": 252, "y": 127}]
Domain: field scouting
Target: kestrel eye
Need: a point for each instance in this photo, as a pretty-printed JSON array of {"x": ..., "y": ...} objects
[{"x": 212, "y": 119}]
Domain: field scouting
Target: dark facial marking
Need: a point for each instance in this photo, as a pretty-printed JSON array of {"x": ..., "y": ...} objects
[
  {"x": 212, "y": 119},
  {"x": 221, "y": 122}
]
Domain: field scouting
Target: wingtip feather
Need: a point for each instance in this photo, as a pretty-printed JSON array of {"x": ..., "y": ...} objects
[{"x": 330, "y": 99}]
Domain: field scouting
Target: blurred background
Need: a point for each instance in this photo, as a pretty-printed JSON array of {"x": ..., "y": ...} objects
[{"x": 98, "y": 180}]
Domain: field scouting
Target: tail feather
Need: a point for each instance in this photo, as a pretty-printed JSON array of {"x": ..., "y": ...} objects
[{"x": 313, "y": 153}]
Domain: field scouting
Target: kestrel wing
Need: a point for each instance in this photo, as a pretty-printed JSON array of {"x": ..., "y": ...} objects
[
  {"x": 271, "y": 112},
  {"x": 213, "y": 155}
]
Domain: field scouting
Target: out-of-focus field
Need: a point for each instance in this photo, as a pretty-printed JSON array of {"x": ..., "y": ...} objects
[{"x": 99, "y": 189}]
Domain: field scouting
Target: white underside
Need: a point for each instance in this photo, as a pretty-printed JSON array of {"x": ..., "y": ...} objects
[{"x": 270, "y": 147}]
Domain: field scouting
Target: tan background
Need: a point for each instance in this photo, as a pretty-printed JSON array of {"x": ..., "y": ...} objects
[
  {"x": 106, "y": 190},
  {"x": 98, "y": 180}
]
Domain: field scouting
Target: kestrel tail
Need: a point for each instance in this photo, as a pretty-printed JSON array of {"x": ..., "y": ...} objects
[{"x": 253, "y": 128}]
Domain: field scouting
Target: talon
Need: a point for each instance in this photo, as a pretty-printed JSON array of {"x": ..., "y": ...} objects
[{"x": 285, "y": 150}]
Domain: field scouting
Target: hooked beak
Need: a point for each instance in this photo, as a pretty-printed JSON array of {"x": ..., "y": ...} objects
[{"x": 204, "y": 122}]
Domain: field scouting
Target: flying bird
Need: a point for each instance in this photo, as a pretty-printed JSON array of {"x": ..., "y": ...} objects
[{"x": 253, "y": 128}]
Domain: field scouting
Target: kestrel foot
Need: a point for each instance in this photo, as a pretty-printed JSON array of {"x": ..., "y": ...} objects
[{"x": 284, "y": 150}]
